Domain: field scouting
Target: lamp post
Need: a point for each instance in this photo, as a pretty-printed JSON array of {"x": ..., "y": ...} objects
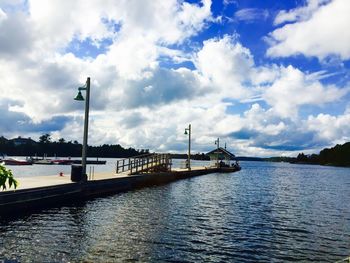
[
  {"x": 80, "y": 97},
  {"x": 217, "y": 142},
  {"x": 189, "y": 146}
]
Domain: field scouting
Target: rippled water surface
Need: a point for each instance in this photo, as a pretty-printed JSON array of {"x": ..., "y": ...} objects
[{"x": 265, "y": 213}]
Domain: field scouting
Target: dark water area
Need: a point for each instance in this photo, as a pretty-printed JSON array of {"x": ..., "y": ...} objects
[{"x": 267, "y": 212}]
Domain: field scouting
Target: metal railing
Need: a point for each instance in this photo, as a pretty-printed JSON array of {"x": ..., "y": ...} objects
[{"x": 144, "y": 163}]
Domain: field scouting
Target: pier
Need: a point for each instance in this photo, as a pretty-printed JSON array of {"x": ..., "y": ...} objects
[
  {"x": 129, "y": 174},
  {"x": 154, "y": 162}
]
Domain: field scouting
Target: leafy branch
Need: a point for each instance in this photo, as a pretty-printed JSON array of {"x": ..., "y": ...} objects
[{"x": 6, "y": 178}]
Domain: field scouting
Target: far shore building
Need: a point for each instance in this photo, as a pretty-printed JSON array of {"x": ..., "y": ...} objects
[{"x": 22, "y": 141}]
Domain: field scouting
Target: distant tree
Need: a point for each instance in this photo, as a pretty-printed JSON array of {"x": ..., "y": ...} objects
[
  {"x": 61, "y": 140},
  {"x": 45, "y": 138},
  {"x": 6, "y": 178},
  {"x": 314, "y": 159},
  {"x": 302, "y": 157}
]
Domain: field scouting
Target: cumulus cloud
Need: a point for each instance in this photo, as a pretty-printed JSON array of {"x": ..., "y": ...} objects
[
  {"x": 166, "y": 21},
  {"x": 162, "y": 86},
  {"x": 226, "y": 64},
  {"x": 264, "y": 131},
  {"x": 293, "y": 88},
  {"x": 15, "y": 39},
  {"x": 324, "y": 22},
  {"x": 19, "y": 122},
  {"x": 330, "y": 128}
]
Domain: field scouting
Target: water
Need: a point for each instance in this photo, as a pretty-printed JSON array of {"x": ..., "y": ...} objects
[
  {"x": 39, "y": 170},
  {"x": 54, "y": 170},
  {"x": 267, "y": 212}
]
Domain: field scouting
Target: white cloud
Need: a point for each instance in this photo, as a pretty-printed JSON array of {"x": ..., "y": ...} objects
[
  {"x": 334, "y": 129},
  {"x": 266, "y": 122},
  {"x": 293, "y": 88},
  {"x": 226, "y": 64},
  {"x": 318, "y": 31},
  {"x": 3, "y": 15},
  {"x": 161, "y": 86},
  {"x": 167, "y": 21},
  {"x": 300, "y": 13},
  {"x": 251, "y": 14},
  {"x": 15, "y": 39}
]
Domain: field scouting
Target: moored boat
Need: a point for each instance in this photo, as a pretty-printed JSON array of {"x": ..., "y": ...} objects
[
  {"x": 43, "y": 161},
  {"x": 230, "y": 169},
  {"x": 63, "y": 162},
  {"x": 12, "y": 161}
]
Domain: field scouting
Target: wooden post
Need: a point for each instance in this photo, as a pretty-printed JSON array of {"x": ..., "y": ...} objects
[
  {"x": 130, "y": 165},
  {"x": 123, "y": 164},
  {"x": 117, "y": 166}
]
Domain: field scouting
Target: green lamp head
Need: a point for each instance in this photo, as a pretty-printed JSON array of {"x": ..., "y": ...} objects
[
  {"x": 79, "y": 96},
  {"x": 186, "y": 132}
]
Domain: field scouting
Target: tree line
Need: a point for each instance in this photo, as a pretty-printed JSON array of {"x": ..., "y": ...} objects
[
  {"x": 338, "y": 155},
  {"x": 62, "y": 148}
]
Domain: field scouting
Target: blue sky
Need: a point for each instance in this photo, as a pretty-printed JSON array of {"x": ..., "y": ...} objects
[{"x": 267, "y": 77}]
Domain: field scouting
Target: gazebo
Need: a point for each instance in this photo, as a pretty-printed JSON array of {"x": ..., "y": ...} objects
[{"x": 221, "y": 157}]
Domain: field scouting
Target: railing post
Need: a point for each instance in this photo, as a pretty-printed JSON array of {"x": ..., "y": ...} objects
[
  {"x": 117, "y": 167},
  {"x": 123, "y": 165},
  {"x": 167, "y": 162}
]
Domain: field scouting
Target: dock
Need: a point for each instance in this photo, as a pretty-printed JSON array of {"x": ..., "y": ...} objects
[{"x": 130, "y": 174}]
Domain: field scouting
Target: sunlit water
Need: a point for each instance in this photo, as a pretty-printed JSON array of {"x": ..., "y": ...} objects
[{"x": 267, "y": 212}]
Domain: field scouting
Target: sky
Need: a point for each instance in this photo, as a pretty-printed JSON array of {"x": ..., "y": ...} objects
[{"x": 269, "y": 78}]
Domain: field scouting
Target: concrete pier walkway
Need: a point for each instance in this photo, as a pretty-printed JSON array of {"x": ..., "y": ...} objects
[{"x": 52, "y": 180}]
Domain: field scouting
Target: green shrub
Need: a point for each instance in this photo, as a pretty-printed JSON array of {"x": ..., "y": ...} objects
[{"x": 6, "y": 178}]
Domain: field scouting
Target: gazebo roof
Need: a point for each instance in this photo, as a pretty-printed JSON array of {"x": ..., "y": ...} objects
[{"x": 221, "y": 151}]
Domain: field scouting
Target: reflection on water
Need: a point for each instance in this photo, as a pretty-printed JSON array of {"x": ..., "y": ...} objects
[{"x": 266, "y": 212}]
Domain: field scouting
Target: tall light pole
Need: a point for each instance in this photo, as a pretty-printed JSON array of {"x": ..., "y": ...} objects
[
  {"x": 80, "y": 97},
  {"x": 189, "y": 146},
  {"x": 217, "y": 142}
]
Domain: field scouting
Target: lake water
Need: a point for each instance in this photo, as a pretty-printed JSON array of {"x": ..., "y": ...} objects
[{"x": 267, "y": 212}]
